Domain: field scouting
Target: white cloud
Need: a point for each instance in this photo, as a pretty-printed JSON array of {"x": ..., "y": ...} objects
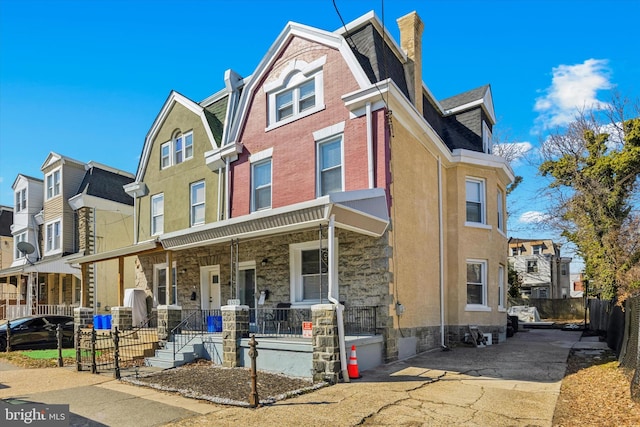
[
  {"x": 573, "y": 87},
  {"x": 533, "y": 217}
]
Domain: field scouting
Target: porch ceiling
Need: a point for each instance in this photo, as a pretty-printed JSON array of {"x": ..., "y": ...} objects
[
  {"x": 363, "y": 211},
  {"x": 55, "y": 266}
]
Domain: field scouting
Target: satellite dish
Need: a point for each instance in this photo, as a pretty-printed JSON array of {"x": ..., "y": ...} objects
[{"x": 26, "y": 248}]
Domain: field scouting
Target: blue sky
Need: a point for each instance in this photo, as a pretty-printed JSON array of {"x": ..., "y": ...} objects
[{"x": 87, "y": 78}]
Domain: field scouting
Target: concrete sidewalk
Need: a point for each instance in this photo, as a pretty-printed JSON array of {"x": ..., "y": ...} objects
[{"x": 515, "y": 383}]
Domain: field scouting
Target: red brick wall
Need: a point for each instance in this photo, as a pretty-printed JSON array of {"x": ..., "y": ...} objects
[{"x": 294, "y": 148}]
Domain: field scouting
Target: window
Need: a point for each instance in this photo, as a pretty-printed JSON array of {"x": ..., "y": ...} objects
[
  {"x": 160, "y": 285},
  {"x": 563, "y": 269},
  {"x": 157, "y": 214},
  {"x": 261, "y": 185},
  {"x": 296, "y": 93},
  {"x": 475, "y": 200},
  {"x": 53, "y": 236},
  {"x": 53, "y": 184},
  {"x": 197, "y": 203},
  {"x": 330, "y": 166},
  {"x": 500, "y": 210},
  {"x": 176, "y": 151},
  {"x": 487, "y": 138},
  {"x": 537, "y": 249},
  {"x": 309, "y": 266},
  {"x": 21, "y": 200},
  {"x": 165, "y": 155},
  {"x": 501, "y": 286},
  {"x": 514, "y": 251},
  {"x": 476, "y": 282},
  {"x": 22, "y": 237},
  {"x": 532, "y": 266}
]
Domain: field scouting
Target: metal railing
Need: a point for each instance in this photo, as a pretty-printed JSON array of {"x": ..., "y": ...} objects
[
  {"x": 278, "y": 321},
  {"x": 194, "y": 324},
  {"x": 360, "y": 321},
  {"x": 115, "y": 350}
]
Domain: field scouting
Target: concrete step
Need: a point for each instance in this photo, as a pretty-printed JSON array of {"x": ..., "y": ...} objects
[{"x": 165, "y": 358}]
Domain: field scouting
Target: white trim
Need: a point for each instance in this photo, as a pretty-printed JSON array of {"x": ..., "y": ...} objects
[
  {"x": 53, "y": 249},
  {"x": 295, "y": 270},
  {"x": 193, "y": 204},
  {"x": 329, "y": 131},
  {"x": 52, "y": 174},
  {"x": 155, "y": 232},
  {"x": 174, "y": 97},
  {"x": 483, "y": 200},
  {"x": 293, "y": 86},
  {"x": 261, "y": 155},
  {"x": 253, "y": 186},
  {"x": 501, "y": 287},
  {"x": 336, "y": 138},
  {"x": 484, "y": 283},
  {"x": 295, "y": 65}
]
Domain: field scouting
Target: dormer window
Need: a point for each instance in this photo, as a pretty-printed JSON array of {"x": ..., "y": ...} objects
[
  {"x": 176, "y": 151},
  {"x": 298, "y": 92},
  {"x": 53, "y": 184},
  {"x": 487, "y": 138}
]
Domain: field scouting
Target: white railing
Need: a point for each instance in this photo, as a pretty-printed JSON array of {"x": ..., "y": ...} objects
[
  {"x": 15, "y": 311},
  {"x": 60, "y": 310}
]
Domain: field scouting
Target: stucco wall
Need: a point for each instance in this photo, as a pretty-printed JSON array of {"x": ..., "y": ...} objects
[{"x": 175, "y": 180}]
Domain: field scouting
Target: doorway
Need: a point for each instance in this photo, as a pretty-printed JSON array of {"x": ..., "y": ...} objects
[
  {"x": 210, "y": 287},
  {"x": 247, "y": 286}
]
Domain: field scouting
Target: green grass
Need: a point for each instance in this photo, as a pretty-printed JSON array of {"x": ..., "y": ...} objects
[{"x": 48, "y": 354}]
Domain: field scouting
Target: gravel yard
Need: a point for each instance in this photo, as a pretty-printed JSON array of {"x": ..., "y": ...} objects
[{"x": 229, "y": 386}]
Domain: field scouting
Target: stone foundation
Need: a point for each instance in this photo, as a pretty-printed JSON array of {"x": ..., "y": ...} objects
[{"x": 122, "y": 318}]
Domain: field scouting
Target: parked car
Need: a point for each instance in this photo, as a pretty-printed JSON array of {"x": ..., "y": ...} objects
[{"x": 33, "y": 332}]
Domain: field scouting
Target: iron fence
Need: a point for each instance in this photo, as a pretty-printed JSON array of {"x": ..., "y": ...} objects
[
  {"x": 122, "y": 352},
  {"x": 360, "y": 321}
]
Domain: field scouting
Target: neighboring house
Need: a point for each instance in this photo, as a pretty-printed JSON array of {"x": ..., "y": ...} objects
[
  {"x": 78, "y": 208},
  {"x": 6, "y": 238},
  {"x": 329, "y": 174},
  {"x": 544, "y": 272}
]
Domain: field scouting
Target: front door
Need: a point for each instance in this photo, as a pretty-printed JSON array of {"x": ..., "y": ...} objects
[
  {"x": 247, "y": 286},
  {"x": 210, "y": 287}
]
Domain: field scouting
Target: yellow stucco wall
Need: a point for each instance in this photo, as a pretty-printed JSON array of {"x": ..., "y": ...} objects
[
  {"x": 113, "y": 230},
  {"x": 175, "y": 181},
  {"x": 473, "y": 242},
  {"x": 415, "y": 230}
]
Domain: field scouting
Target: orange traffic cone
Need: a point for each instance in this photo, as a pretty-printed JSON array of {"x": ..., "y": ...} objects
[{"x": 352, "y": 367}]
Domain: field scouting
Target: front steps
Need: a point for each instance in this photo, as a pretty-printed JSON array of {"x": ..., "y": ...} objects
[{"x": 164, "y": 358}]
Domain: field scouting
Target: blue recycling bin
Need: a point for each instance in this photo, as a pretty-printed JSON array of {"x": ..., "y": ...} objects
[
  {"x": 214, "y": 323},
  {"x": 106, "y": 321},
  {"x": 97, "y": 321}
]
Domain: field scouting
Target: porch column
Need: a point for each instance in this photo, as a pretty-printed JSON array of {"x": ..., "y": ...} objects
[
  {"x": 326, "y": 346},
  {"x": 122, "y": 317},
  {"x": 169, "y": 316},
  {"x": 83, "y": 285},
  {"x": 235, "y": 326},
  {"x": 82, "y": 317},
  {"x": 120, "y": 280}
]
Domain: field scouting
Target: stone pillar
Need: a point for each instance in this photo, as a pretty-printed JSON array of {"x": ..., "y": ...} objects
[
  {"x": 82, "y": 317},
  {"x": 122, "y": 317},
  {"x": 235, "y": 326},
  {"x": 169, "y": 316},
  {"x": 326, "y": 346}
]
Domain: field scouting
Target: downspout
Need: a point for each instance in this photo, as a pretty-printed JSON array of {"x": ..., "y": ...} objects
[
  {"x": 227, "y": 186},
  {"x": 339, "y": 307},
  {"x": 135, "y": 220},
  {"x": 369, "y": 145},
  {"x": 441, "y": 253},
  {"x": 218, "y": 213}
]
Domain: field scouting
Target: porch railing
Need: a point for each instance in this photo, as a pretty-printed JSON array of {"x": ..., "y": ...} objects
[
  {"x": 61, "y": 310},
  {"x": 285, "y": 321},
  {"x": 194, "y": 324}
]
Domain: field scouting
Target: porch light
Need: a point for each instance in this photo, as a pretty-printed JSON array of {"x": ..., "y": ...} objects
[{"x": 264, "y": 261}]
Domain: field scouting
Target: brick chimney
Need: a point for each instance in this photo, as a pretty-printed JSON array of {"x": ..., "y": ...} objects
[{"x": 411, "y": 27}]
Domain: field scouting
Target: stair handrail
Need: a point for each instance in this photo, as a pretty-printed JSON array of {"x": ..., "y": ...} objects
[{"x": 178, "y": 328}]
